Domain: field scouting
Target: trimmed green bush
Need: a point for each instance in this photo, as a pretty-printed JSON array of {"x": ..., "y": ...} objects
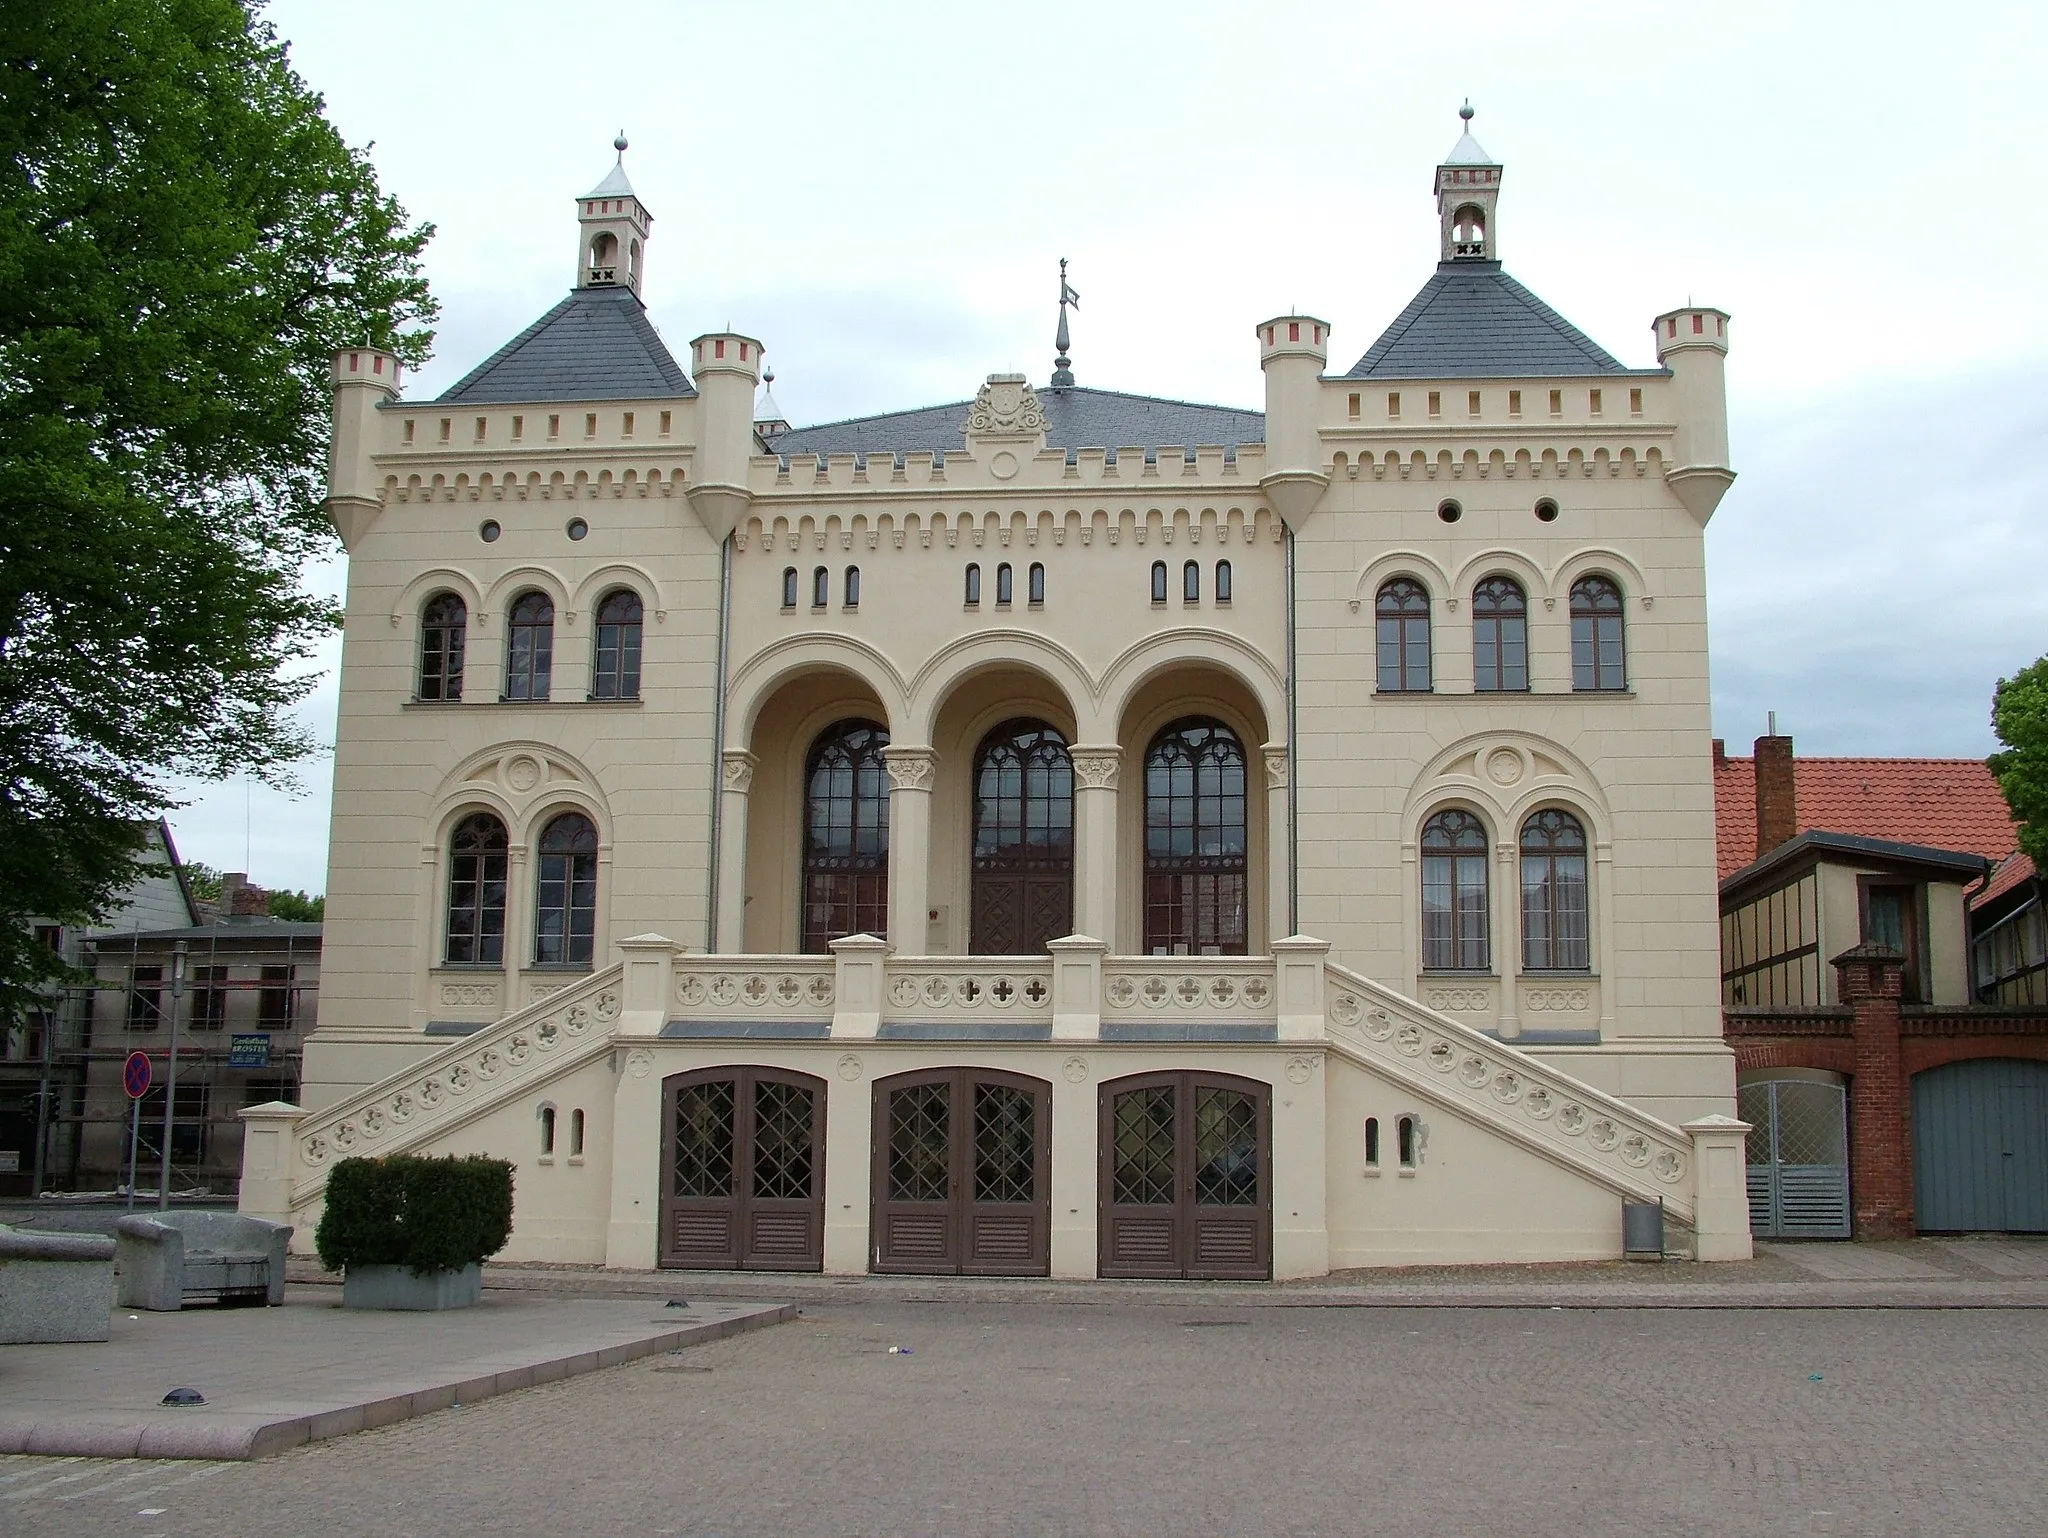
[{"x": 424, "y": 1214}]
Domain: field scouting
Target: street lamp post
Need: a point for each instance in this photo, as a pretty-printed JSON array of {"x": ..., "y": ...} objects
[{"x": 163, "y": 1185}]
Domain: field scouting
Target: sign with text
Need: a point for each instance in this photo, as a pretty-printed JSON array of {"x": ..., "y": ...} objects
[{"x": 250, "y": 1050}]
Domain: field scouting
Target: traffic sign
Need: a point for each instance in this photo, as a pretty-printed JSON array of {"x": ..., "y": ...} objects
[{"x": 135, "y": 1075}]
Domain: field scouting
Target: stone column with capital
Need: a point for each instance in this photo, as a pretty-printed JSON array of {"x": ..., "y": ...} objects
[
  {"x": 1279, "y": 875},
  {"x": 1867, "y": 979},
  {"x": 911, "y": 771},
  {"x": 1095, "y": 783},
  {"x": 732, "y": 849}
]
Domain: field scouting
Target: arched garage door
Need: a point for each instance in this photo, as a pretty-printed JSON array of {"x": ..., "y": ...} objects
[{"x": 1980, "y": 1147}]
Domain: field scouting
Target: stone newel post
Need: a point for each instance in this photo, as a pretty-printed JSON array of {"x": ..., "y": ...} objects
[{"x": 1868, "y": 980}]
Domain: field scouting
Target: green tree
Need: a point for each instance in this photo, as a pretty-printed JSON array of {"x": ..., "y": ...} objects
[
  {"x": 297, "y": 907},
  {"x": 184, "y": 242},
  {"x": 2019, "y": 715}
]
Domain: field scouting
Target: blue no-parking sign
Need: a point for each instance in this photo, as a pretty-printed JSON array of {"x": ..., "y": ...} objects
[{"x": 135, "y": 1075}]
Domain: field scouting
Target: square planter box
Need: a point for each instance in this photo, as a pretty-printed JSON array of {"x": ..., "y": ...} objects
[{"x": 397, "y": 1287}]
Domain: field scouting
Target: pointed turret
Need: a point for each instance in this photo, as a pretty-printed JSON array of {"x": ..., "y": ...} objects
[
  {"x": 1467, "y": 188},
  {"x": 612, "y": 230},
  {"x": 769, "y": 422}
]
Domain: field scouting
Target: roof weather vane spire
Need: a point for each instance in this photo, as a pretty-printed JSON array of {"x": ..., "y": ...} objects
[{"x": 1063, "y": 366}]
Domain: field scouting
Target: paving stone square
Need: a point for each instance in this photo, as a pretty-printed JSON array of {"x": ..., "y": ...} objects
[{"x": 1105, "y": 1417}]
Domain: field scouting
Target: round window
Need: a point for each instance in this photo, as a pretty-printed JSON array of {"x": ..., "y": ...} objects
[
  {"x": 578, "y": 528},
  {"x": 489, "y": 530},
  {"x": 1546, "y": 511},
  {"x": 1450, "y": 512}
]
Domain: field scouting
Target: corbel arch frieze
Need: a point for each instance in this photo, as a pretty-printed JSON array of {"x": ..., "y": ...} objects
[
  {"x": 756, "y": 681},
  {"x": 1178, "y": 647},
  {"x": 617, "y": 574},
  {"x": 434, "y": 580},
  {"x": 1401, "y": 563},
  {"x": 933, "y": 683}
]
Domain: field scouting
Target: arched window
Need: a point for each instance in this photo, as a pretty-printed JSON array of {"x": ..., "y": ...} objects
[
  {"x": 1223, "y": 582},
  {"x": 852, "y": 594},
  {"x": 615, "y": 666},
  {"x": 565, "y": 901},
  {"x": 1191, "y": 582},
  {"x": 1195, "y": 865},
  {"x": 821, "y": 587},
  {"x": 1037, "y": 590},
  {"x": 1554, "y": 915},
  {"x": 1402, "y": 617},
  {"x": 1159, "y": 582},
  {"x": 789, "y": 587},
  {"x": 973, "y": 583},
  {"x": 1003, "y": 588},
  {"x": 1454, "y": 893},
  {"x": 444, "y": 632},
  {"x": 547, "y": 1131},
  {"x": 1023, "y": 840},
  {"x": 604, "y": 257},
  {"x": 846, "y": 835},
  {"x": 1500, "y": 637},
  {"x": 530, "y": 647},
  {"x": 1598, "y": 658},
  {"x": 476, "y": 892}
]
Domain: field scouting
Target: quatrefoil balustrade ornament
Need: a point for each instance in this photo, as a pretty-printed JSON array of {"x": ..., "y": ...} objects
[{"x": 1035, "y": 991}]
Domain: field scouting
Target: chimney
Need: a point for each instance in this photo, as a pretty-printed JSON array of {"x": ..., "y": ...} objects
[
  {"x": 239, "y": 900},
  {"x": 1777, "y": 808},
  {"x": 1720, "y": 751}
]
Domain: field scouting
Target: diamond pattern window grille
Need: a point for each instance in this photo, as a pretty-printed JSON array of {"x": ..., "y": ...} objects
[
  {"x": 919, "y": 1162},
  {"x": 1142, "y": 1132},
  {"x": 783, "y": 1116},
  {"x": 704, "y": 1139},
  {"x": 1005, "y": 1155},
  {"x": 1226, "y": 1148}
]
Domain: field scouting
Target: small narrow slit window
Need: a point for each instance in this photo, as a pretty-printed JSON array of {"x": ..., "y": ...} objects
[
  {"x": 1191, "y": 582},
  {"x": 554, "y": 424},
  {"x": 1436, "y": 403},
  {"x": 590, "y": 424},
  {"x": 1635, "y": 403},
  {"x": 408, "y": 432},
  {"x": 667, "y": 420},
  {"x": 1372, "y": 1143},
  {"x": 1514, "y": 403},
  {"x": 518, "y": 428},
  {"x": 852, "y": 595},
  {"x": 821, "y": 587},
  {"x": 547, "y": 1132},
  {"x": 447, "y": 427},
  {"x": 626, "y": 425},
  {"x": 1004, "y": 590},
  {"x": 1223, "y": 582},
  {"x": 1037, "y": 588},
  {"x": 973, "y": 584},
  {"x": 1557, "y": 403},
  {"x": 482, "y": 428},
  {"x": 1352, "y": 407},
  {"x": 576, "y": 1133},
  {"x": 1404, "y": 1131},
  {"x": 1472, "y": 403},
  {"x": 1393, "y": 403},
  {"x": 1159, "y": 582},
  {"x": 1593, "y": 402},
  {"x": 789, "y": 587}
]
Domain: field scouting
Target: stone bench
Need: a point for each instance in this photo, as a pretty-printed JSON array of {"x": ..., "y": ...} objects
[
  {"x": 55, "y": 1287},
  {"x": 170, "y": 1259}
]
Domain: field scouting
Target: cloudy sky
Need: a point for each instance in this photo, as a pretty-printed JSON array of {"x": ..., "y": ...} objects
[{"x": 882, "y": 191}]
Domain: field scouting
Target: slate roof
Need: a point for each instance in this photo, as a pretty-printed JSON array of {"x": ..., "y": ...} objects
[
  {"x": 1954, "y": 862},
  {"x": 1076, "y": 418},
  {"x": 1946, "y": 803},
  {"x": 1471, "y": 320},
  {"x": 595, "y": 345}
]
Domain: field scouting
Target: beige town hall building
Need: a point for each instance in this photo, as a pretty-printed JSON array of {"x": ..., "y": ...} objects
[{"x": 1056, "y": 832}]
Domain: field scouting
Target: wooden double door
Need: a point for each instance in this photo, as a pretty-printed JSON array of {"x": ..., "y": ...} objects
[
  {"x": 743, "y": 1176},
  {"x": 1186, "y": 1177},
  {"x": 1023, "y": 875},
  {"x": 962, "y": 1173}
]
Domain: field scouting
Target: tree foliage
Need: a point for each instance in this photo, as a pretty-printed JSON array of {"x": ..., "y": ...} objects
[
  {"x": 2019, "y": 715},
  {"x": 184, "y": 242}
]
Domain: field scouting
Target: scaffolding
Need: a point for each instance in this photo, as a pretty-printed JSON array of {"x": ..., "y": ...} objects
[{"x": 241, "y": 988}]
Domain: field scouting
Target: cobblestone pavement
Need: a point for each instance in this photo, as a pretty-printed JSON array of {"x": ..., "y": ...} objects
[{"x": 1121, "y": 1418}]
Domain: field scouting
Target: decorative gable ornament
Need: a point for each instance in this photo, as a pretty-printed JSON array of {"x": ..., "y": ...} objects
[{"x": 1006, "y": 407}]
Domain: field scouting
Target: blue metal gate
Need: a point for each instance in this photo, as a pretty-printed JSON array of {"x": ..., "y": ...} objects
[
  {"x": 1980, "y": 1147},
  {"x": 1798, "y": 1158}
]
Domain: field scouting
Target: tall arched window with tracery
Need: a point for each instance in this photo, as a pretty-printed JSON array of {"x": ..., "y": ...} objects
[
  {"x": 1554, "y": 907},
  {"x": 444, "y": 635},
  {"x": 530, "y": 647},
  {"x": 565, "y": 894},
  {"x": 1500, "y": 637},
  {"x": 1454, "y": 893},
  {"x": 615, "y": 663},
  {"x": 1023, "y": 892},
  {"x": 476, "y": 892},
  {"x": 1196, "y": 886},
  {"x": 1599, "y": 659},
  {"x": 1401, "y": 619},
  {"x": 846, "y": 834}
]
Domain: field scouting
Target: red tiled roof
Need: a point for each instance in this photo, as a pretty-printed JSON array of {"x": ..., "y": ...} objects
[
  {"x": 1942, "y": 803},
  {"x": 2016, "y": 869}
]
